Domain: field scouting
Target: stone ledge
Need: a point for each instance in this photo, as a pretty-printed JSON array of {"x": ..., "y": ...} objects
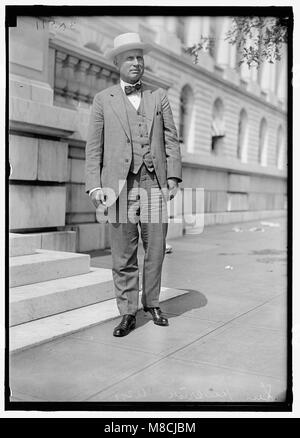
[
  {"x": 241, "y": 216},
  {"x": 225, "y": 164},
  {"x": 195, "y": 223},
  {"x": 39, "y": 118},
  {"x": 25, "y": 88}
]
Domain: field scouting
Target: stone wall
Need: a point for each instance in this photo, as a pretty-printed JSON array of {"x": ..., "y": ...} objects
[
  {"x": 38, "y": 154},
  {"x": 48, "y": 130}
]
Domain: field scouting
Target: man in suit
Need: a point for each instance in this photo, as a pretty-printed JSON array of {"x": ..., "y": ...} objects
[{"x": 133, "y": 166}]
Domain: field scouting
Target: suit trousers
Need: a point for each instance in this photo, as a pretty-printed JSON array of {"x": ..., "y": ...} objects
[{"x": 147, "y": 217}]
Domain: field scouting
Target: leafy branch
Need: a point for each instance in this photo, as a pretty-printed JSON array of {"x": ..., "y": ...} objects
[
  {"x": 205, "y": 44},
  {"x": 257, "y": 39}
]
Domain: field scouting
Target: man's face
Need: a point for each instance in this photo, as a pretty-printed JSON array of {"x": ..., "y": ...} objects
[{"x": 131, "y": 65}]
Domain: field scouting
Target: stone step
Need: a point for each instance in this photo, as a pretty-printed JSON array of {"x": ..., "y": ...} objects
[
  {"x": 47, "y": 329},
  {"x": 46, "y": 265},
  {"x": 34, "y": 301},
  {"x": 23, "y": 244}
]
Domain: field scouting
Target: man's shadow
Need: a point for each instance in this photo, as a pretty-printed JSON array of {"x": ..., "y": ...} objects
[{"x": 176, "y": 306}]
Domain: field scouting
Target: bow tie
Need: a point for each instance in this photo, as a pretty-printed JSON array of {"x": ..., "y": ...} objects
[{"x": 132, "y": 88}]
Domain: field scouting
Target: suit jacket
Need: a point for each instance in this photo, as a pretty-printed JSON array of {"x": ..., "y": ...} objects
[{"x": 108, "y": 147}]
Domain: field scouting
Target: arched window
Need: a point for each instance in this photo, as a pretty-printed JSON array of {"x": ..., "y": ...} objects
[
  {"x": 242, "y": 144},
  {"x": 263, "y": 143},
  {"x": 217, "y": 127},
  {"x": 187, "y": 117},
  {"x": 279, "y": 148}
]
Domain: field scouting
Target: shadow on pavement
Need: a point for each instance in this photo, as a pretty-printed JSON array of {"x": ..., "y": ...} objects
[{"x": 177, "y": 306}]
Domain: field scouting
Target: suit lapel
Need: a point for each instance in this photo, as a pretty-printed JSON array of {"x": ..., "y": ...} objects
[
  {"x": 149, "y": 106},
  {"x": 117, "y": 103}
]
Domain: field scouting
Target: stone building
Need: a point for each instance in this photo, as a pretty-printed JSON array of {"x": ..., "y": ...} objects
[{"x": 232, "y": 122}]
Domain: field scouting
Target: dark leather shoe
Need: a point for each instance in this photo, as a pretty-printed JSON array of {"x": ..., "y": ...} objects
[
  {"x": 157, "y": 316},
  {"x": 126, "y": 325}
]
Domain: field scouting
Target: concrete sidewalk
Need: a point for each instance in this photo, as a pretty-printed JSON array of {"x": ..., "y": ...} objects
[{"x": 226, "y": 341}]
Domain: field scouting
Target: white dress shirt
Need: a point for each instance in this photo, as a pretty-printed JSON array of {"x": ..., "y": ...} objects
[{"x": 135, "y": 99}]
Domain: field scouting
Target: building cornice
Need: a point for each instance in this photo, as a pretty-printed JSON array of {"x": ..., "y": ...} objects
[
  {"x": 212, "y": 77},
  {"x": 226, "y": 164}
]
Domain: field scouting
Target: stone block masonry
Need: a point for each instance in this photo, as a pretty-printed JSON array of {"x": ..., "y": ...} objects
[{"x": 34, "y": 206}]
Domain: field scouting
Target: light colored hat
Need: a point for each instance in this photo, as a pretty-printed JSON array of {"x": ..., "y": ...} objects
[{"x": 127, "y": 41}]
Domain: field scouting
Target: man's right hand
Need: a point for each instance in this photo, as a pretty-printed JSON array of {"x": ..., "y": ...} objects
[{"x": 98, "y": 197}]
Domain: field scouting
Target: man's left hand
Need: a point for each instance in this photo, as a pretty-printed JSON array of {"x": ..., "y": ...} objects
[{"x": 173, "y": 187}]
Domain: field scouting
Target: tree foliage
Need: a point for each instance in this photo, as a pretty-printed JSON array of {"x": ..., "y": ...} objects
[
  {"x": 257, "y": 39},
  {"x": 205, "y": 44}
]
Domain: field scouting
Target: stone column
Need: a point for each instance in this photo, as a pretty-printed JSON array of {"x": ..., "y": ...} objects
[
  {"x": 156, "y": 22},
  {"x": 200, "y": 26},
  {"x": 280, "y": 150},
  {"x": 281, "y": 83},
  {"x": 193, "y": 34},
  {"x": 205, "y": 27},
  {"x": 254, "y": 74},
  {"x": 272, "y": 85},
  {"x": 265, "y": 76},
  {"x": 245, "y": 71},
  {"x": 171, "y": 24},
  {"x": 222, "y": 46},
  {"x": 232, "y": 56},
  {"x": 268, "y": 81},
  {"x": 165, "y": 28}
]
